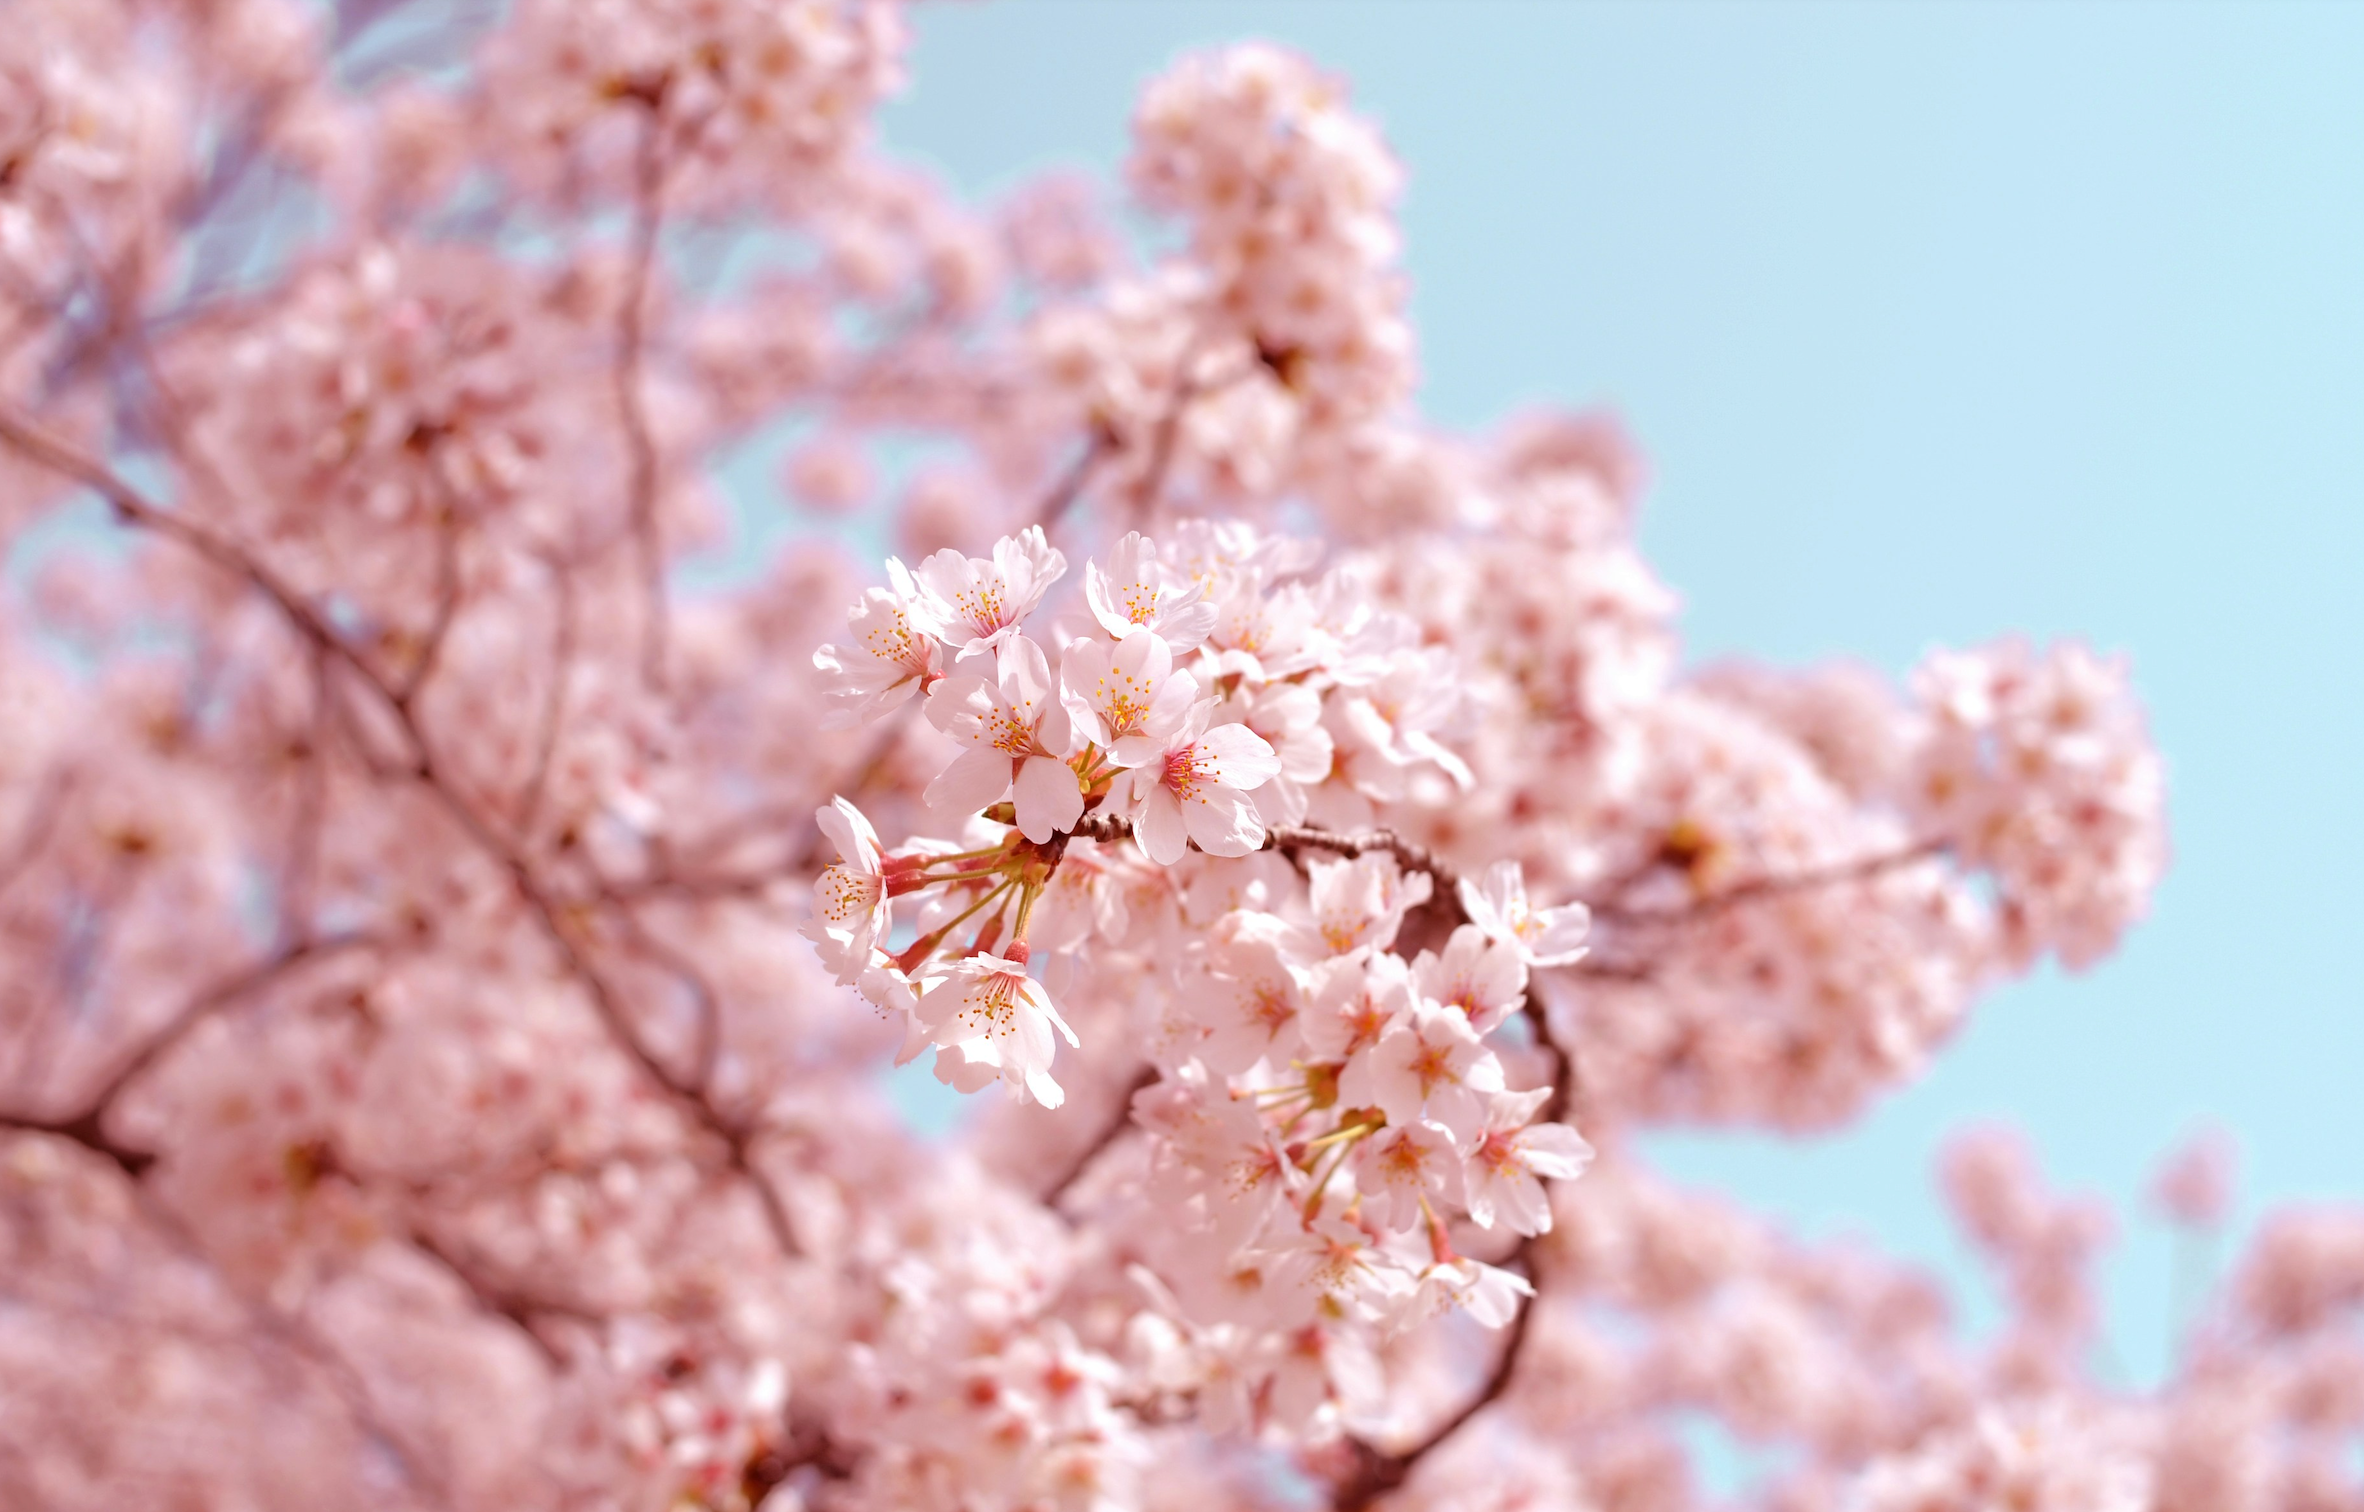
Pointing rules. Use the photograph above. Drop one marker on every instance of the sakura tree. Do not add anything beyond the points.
(451, 967)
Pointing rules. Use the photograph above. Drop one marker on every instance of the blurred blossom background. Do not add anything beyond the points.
(1935, 323)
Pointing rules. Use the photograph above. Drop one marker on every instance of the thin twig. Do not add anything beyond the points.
(1756, 889)
(210, 1001)
(562, 658)
(1070, 484)
(302, 864)
(529, 1313)
(1120, 1119)
(706, 1053)
(640, 445)
(607, 1005)
(447, 609)
(1446, 896)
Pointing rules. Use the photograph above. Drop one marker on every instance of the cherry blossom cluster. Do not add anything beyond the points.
(464, 887)
(748, 97)
(1272, 354)
(1197, 699)
(2037, 768)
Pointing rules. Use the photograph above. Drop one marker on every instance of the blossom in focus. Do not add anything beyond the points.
(1429, 1064)
(974, 604)
(1195, 791)
(890, 659)
(993, 1022)
(1137, 593)
(1511, 1157)
(1007, 711)
(1126, 695)
(851, 914)
(1484, 977)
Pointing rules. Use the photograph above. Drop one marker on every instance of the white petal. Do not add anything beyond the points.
(1223, 821)
(1159, 828)
(1049, 800)
(975, 781)
(1241, 758)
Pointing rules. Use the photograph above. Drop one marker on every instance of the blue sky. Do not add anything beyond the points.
(1936, 323)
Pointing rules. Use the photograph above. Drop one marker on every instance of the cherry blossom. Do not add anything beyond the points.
(1195, 791)
(1019, 736)
(1429, 1064)
(414, 1093)
(1127, 695)
(1402, 1166)
(851, 915)
(1497, 904)
(974, 604)
(1510, 1158)
(1137, 593)
(992, 1021)
(890, 660)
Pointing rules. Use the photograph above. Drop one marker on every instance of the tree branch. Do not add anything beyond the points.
(562, 658)
(1105, 827)
(1757, 889)
(1376, 1472)
(1119, 1121)
(1070, 486)
(205, 1004)
(607, 1006)
(640, 445)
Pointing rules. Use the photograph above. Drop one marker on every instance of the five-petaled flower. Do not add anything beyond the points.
(1137, 593)
(1196, 790)
(851, 913)
(1019, 737)
(990, 1021)
(1507, 1163)
(893, 654)
(1497, 903)
(974, 604)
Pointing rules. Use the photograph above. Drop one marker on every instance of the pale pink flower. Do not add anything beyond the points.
(1507, 1164)
(1429, 1064)
(851, 913)
(1480, 975)
(974, 604)
(1289, 717)
(886, 987)
(1387, 725)
(1249, 1003)
(1357, 905)
(891, 658)
(1496, 902)
(1404, 1165)
(1136, 593)
(1236, 1166)
(1334, 1263)
(1126, 696)
(993, 1022)
(1355, 1001)
(1195, 792)
(1019, 738)
(1488, 1293)
(1263, 635)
